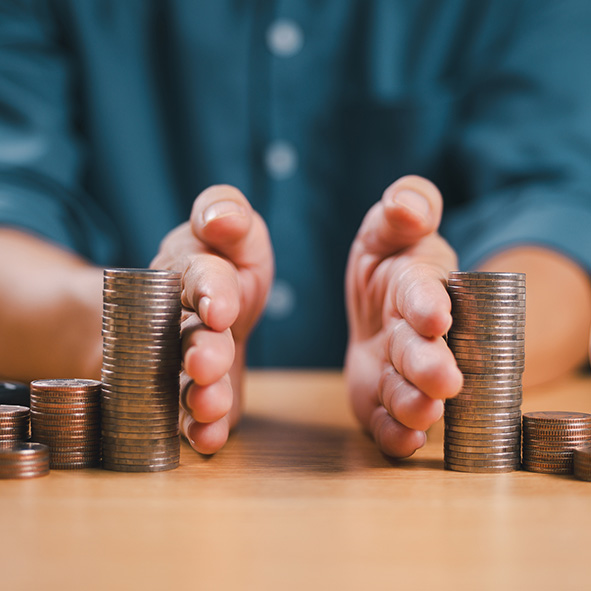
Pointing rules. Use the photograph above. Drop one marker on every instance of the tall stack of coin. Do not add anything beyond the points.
(483, 423)
(14, 423)
(66, 416)
(582, 463)
(141, 366)
(550, 438)
(24, 460)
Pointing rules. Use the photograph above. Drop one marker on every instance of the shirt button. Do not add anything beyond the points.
(281, 160)
(281, 302)
(285, 38)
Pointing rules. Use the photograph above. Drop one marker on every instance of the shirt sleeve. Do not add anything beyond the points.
(41, 154)
(523, 144)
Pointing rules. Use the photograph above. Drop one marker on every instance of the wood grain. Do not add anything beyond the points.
(301, 499)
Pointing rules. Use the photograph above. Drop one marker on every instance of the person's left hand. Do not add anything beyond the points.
(398, 366)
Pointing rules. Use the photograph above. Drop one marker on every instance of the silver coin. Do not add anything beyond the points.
(141, 292)
(482, 469)
(138, 385)
(470, 439)
(144, 303)
(134, 333)
(480, 463)
(483, 338)
(495, 276)
(469, 413)
(482, 449)
(143, 322)
(131, 392)
(117, 467)
(120, 314)
(120, 364)
(492, 295)
(484, 430)
(142, 280)
(494, 457)
(125, 331)
(131, 436)
(118, 342)
(487, 307)
(476, 356)
(480, 331)
(162, 411)
(117, 369)
(473, 349)
(486, 392)
(484, 405)
(146, 442)
(140, 413)
(139, 304)
(500, 321)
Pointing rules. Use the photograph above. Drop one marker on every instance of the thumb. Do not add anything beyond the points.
(409, 209)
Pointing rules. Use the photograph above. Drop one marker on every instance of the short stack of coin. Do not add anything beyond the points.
(66, 416)
(483, 423)
(14, 424)
(141, 366)
(582, 463)
(550, 438)
(24, 460)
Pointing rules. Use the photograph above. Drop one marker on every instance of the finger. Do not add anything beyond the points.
(393, 438)
(206, 438)
(426, 363)
(224, 220)
(406, 403)
(210, 287)
(420, 297)
(207, 404)
(409, 209)
(207, 355)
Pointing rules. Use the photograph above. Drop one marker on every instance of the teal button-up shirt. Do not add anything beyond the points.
(115, 114)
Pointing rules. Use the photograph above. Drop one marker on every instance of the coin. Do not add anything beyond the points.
(557, 417)
(550, 438)
(141, 366)
(24, 460)
(582, 463)
(509, 467)
(65, 415)
(482, 430)
(140, 467)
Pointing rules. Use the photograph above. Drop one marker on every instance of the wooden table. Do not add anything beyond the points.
(301, 499)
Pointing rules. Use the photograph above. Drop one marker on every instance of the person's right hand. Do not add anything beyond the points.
(225, 257)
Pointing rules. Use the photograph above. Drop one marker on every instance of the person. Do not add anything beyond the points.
(113, 114)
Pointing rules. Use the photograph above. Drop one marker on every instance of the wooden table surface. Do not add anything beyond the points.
(301, 499)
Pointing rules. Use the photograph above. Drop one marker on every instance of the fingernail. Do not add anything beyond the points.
(222, 209)
(440, 412)
(204, 303)
(415, 202)
(424, 440)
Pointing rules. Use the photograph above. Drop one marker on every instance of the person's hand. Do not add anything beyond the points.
(398, 366)
(224, 255)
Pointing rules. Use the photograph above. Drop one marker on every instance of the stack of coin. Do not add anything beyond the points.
(66, 416)
(24, 460)
(483, 423)
(14, 423)
(141, 366)
(550, 438)
(582, 463)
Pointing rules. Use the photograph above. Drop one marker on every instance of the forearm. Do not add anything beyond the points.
(50, 311)
(558, 310)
